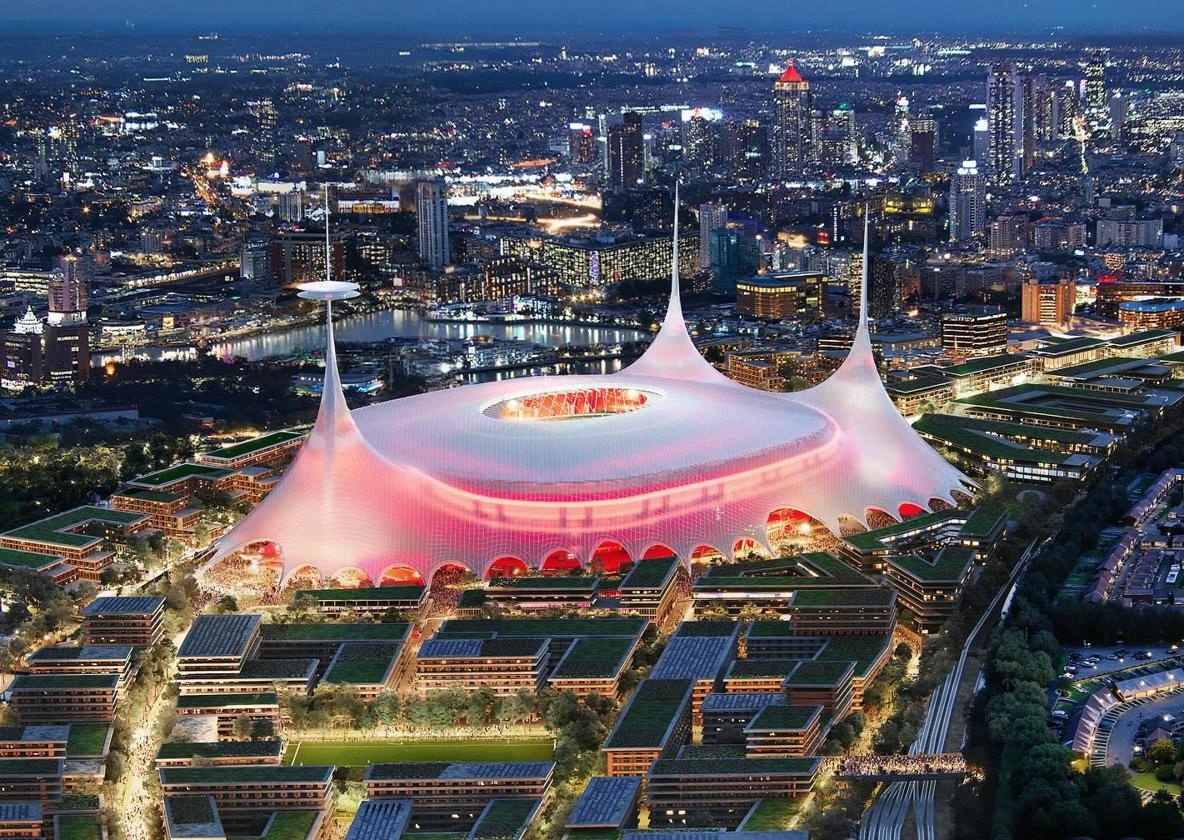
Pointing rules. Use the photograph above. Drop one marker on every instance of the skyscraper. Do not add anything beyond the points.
(1002, 160)
(1001, 114)
(922, 142)
(1096, 101)
(968, 216)
(1027, 115)
(791, 105)
(431, 203)
(67, 334)
(712, 216)
(1065, 101)
(626, 152)
(581, 144)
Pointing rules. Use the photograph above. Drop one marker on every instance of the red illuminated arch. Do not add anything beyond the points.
(611, 556)
(351, 577)
(561, 561)
(745, 546)
(784, 523)
(658, 551)
(506, 567)
(706, 554)
(909, 510)
(400, 576)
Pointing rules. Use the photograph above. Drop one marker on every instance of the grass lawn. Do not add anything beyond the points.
(79, 827)
(362, 753)
(771, 815)
(86, 739)
(1147, 781)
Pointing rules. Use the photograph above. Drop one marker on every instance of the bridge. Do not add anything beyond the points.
(917, 767)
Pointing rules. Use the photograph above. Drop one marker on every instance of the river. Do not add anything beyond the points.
(392, 323)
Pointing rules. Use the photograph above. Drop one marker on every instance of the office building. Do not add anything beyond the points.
(733, 255)
(1008, 236)
(974, 333)
(626, 152)
(1048, 303)
(791, 108)
(581, 144)
(968, 211)
(431, 210)
(775, 297)
(922, 142)
(712, 216)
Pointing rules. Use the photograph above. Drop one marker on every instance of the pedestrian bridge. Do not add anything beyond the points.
(900, 768)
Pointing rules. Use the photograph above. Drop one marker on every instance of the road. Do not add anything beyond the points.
(885, 818)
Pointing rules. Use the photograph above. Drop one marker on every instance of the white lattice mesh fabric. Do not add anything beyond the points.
(451, 477)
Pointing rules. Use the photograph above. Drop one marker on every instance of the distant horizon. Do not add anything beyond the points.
(460, 20)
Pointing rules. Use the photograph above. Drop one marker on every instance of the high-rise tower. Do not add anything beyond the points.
(791, 104)
(968, 215)
(1002, 160)
(431, 207)
(626, 152)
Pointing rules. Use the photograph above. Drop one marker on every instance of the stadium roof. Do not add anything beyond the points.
(525, 467)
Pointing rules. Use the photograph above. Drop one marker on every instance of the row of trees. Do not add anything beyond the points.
(1038, 792)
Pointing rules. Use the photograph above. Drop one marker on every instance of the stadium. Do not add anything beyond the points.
(667, 456)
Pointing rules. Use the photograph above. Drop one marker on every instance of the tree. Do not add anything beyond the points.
(1162, 752)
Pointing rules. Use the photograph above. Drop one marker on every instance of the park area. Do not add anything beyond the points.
(362, 753)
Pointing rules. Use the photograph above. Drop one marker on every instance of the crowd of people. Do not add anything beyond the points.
(901, 765)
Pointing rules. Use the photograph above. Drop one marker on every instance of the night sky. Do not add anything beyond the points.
(526, 17)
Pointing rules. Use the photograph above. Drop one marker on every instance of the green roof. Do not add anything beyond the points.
(593, 657)
(983, 520)
(362, 663)
(872, 596)
(974, 366)
(213, 701)
(863, 650)
(54, 529)
(872, 540)
(29, 766)
(1097, 365)
(503, 819)
(179, 472)
(247, 774)
(649, 574)
(734, 767)
(86, 739)
(824, 672)
(27, 559)
(326, 632)
(220, 749)
(561, 628)
(246, 447)
(742, 669)
(785, 717)
(655, 706)
(290, 825)
(964, 435)
(78, 827)
(948, 566)
(713, 628)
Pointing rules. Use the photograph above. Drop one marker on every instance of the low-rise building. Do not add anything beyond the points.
(654, 724)
(723, 789)
(116, 620)
(64, 698)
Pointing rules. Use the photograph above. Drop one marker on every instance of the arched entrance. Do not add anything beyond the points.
(350, 578)
(658, 551)
(610, 556)
(400, 576)
(504, 567)
(908, 510)
(560, 562)
(747, 548)
(877, 518)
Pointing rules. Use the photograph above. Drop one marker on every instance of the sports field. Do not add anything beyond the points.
(361, 753)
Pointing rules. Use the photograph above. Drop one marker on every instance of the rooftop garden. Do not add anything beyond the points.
(785, 717)
(644, 722)
(594, 657)
(325, 632)
(503, 819)
(49, 682)
(190, 810)
(181, 471)
(79, 827)
(649, 574)
(362, 663)
(248, 447)
(86, 739)
(57, 530)
(246, 774)
(26, 559)
(219, 749)
(566, 628)
(818, 672)
(872, 596)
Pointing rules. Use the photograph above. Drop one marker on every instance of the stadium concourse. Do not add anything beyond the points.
(667, 456)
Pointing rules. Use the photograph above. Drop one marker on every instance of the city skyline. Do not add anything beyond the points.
(562, 19)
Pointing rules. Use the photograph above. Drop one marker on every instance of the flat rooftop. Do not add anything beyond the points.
(123, 605)
(221, 636)
(249, 447)
(380, 819)
(59, 530)
(606, 802)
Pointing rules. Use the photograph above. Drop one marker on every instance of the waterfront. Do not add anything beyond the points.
(383, 324)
